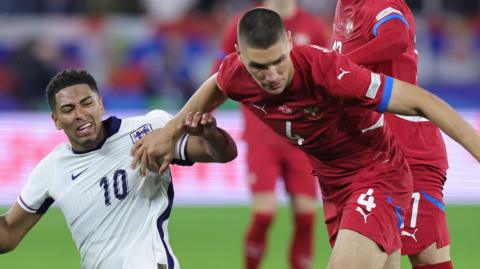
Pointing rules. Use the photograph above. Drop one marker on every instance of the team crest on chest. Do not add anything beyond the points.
(140, 132)
(312, 112)
(285, 109)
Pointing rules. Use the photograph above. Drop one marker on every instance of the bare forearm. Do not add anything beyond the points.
(221, 146)
(5, 245)
(205, 99)
(451, 123)
(411, 100)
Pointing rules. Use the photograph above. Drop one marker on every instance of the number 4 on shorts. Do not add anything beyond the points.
(367, 200)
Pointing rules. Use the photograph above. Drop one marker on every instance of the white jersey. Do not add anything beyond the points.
(117, 218)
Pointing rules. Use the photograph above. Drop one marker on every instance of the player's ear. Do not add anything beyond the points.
(100, 103)
(55, 120)
(237, 49)
(290, 39)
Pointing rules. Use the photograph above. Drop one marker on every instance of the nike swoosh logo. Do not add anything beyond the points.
(77, 175)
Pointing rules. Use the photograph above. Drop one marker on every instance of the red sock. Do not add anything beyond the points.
(443, 265)
(302, 244)
(256, 239)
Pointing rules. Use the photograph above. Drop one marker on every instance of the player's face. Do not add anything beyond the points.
(78, 112)
(271, 68)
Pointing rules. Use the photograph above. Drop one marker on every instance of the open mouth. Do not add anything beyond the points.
(84, 128)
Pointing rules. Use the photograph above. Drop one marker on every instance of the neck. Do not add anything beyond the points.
(89, 146)
(286, 9)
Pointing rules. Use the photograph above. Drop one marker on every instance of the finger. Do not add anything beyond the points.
(153, 163)
(196, 119)
(143, 167)
(189, 118)
(205, 118)
(136, 157)
(164, 166)
(136, 146)
(212, 121)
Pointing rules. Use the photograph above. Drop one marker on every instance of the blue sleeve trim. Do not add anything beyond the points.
(387, 18)
(387, 93)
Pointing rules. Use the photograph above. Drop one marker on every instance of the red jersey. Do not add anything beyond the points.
(328, 111)
(380, 34)
(305, 29)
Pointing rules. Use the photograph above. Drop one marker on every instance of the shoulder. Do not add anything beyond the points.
(229, 70)
(308, 54)
(47, 165)
(156, 118)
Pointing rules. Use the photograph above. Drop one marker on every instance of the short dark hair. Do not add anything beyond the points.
(260, 28)
(66, 78)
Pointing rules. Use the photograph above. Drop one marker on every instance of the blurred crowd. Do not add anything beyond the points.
(151, 53)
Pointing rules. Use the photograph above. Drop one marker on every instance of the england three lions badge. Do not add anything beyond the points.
(140, 132)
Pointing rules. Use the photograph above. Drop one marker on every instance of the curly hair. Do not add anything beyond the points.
(66, 78)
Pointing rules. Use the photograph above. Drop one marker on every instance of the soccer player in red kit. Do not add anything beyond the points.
(335, 117)
(284, 159)
(380, 35)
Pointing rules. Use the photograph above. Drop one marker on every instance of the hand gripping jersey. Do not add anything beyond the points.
(117, 218)
(328, 111)
(380, 23)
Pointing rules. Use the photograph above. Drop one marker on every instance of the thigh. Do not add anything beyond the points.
(353, 250)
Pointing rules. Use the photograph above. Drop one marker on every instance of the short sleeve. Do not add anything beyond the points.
(35, 196)
(386, 14)
(350, 83)
(159, 118)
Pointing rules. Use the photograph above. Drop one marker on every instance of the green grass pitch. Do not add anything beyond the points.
(211, 237)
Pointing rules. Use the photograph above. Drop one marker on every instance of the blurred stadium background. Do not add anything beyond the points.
(149, 54)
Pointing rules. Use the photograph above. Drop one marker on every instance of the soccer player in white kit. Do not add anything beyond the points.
(117, 217)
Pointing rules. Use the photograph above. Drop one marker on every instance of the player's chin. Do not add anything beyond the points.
(275, 91)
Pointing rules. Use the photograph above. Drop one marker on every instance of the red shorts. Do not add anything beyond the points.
(425, 221)
(268, 160)
(371, 212)
(372, 202)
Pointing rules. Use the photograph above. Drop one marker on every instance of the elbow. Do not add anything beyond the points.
(230, 155)
(233, 154)
(7, 247)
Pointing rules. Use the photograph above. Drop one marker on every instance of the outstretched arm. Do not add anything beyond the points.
(14, 225)
(207, 142)
(410, 100)
(156, 149)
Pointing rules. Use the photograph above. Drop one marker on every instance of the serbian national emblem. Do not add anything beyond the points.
(312, 112)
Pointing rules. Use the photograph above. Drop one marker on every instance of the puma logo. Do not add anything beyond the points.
(344, 72)
(360, 210)
(412, 235)
(261, 108)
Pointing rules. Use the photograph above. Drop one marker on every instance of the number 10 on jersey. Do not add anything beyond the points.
(120, 187)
